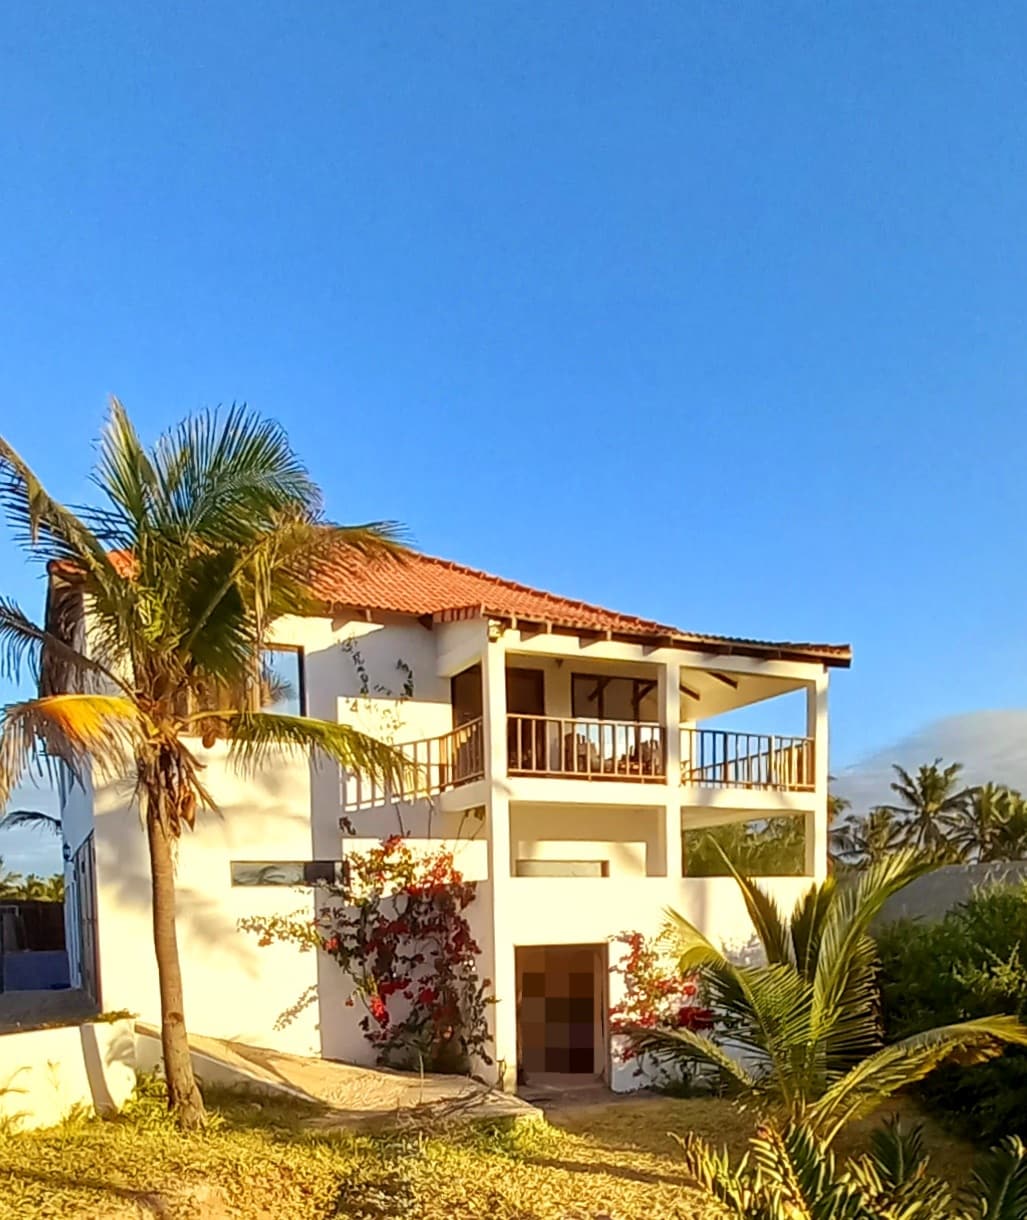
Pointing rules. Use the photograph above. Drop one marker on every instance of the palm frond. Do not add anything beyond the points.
(897, 1152)
(23, 643)
(763, 911)
(222, 475)
(31, 819)
(691, 948)
(257, 738)
(712, 1172)
(685, 1046)
(999, 1190)
(845, 951)
(74, 729)
(807, 923)
(42, 525)
(862, 1089)
(125, 474)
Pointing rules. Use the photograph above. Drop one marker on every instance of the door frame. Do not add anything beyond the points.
(601, 1044)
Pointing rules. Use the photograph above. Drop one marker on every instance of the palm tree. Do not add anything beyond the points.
(992, 824)
(860, 841)
(53, 889)
(10, 883)
(30, 819)
(930, 800)
(200, 543)
(34, 889)
(802, 1029)
(792, 1174)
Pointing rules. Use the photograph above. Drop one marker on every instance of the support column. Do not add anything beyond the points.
(670, 715)
(503, 1014)
(816, 822)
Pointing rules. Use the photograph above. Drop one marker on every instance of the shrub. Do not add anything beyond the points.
(972, 963)
(398, 930)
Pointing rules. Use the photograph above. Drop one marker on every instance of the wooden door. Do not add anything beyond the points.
(526, 696)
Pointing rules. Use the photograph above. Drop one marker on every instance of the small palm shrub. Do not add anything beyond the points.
(800, 1034)
(792, 1174)
(970, 964)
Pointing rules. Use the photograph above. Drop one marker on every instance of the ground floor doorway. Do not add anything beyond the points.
(561, 1016)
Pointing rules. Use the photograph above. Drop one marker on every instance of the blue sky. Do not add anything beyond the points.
(710, 312)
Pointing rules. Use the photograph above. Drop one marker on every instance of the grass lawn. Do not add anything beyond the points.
(263, 1162)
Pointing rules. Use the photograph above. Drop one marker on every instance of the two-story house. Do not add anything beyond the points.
(572, 754)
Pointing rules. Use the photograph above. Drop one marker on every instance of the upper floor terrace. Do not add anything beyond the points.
(579, 719)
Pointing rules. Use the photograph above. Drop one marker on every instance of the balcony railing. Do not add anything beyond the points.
(712, 758)
(585, 749)
(436, 765)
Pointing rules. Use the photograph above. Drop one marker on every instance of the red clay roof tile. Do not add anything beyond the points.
(424, 586)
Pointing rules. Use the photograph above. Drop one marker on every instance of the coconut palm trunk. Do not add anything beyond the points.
(183, 1095)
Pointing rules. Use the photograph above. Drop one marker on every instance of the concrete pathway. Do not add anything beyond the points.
(352, 1096)
(21, 1010)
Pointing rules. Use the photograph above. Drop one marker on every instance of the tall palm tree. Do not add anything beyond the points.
(992, 824)
(53, 889)
(10, 883)
(34, 888)
(201, 541)
(800, 1034)
(929, 801)
(860, 841)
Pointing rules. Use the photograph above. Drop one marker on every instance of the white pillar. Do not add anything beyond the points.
(503, 1013)
(816, 822)
(670, 715)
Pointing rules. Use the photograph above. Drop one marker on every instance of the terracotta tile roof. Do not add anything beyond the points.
(424, 586)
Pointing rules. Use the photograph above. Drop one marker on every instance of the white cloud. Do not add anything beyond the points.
(990, 745)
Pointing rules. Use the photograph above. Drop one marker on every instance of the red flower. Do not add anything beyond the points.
(378, 1010)
(426, 996)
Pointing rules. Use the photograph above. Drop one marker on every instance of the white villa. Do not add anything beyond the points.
(571, 753)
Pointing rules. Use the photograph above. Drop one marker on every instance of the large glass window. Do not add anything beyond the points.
(598, 697)
(282, 681)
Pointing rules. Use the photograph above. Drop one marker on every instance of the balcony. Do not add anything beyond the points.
(711, 758)
(555, 747)
(552, 746)
(437, 764)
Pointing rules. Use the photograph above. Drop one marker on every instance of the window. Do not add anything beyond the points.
(283, 674)
(563, 868)
(465, 695)
(597, 697)
(288, 872)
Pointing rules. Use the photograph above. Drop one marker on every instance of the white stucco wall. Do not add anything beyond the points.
(287, 811)
(47, 1074)
(290, 811)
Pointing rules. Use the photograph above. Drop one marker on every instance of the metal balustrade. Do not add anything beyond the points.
(713, 758)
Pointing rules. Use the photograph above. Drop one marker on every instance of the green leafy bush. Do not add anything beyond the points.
(972, 963)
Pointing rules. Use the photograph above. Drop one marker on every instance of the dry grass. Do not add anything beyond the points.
(263, 1162)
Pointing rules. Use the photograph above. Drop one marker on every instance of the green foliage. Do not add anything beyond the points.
(768, 847)
(970, 964)
(199, 544)
(15, 887)
(793, 1174)
(936, 815)
(798, 1034)
(398, 930)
